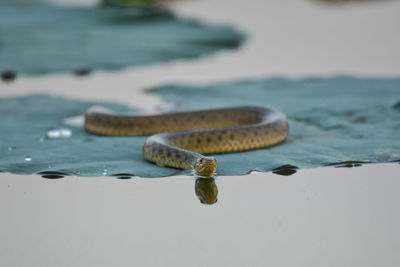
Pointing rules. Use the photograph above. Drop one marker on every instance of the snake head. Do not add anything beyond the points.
(205, 167)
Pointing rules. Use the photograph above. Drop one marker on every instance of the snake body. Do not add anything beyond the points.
(180, 139)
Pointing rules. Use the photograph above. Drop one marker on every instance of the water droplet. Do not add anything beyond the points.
(59, 133)
(10, 148)
(28, 158)
(41, 140)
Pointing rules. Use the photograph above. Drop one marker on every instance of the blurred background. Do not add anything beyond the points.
(312, 217)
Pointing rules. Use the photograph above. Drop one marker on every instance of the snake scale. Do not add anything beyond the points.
(180, 139)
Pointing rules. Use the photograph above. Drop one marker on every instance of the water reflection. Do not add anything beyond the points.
(206, 190)
(347, 164)
(82, 71)
(8, 75)
(123, 175)
(285, 170)
(52, 174)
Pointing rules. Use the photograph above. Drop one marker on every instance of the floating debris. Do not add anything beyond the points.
(28, 158)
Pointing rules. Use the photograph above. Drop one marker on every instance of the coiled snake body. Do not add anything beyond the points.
(180, 139)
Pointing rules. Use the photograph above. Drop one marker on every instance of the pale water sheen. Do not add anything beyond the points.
(316, 217)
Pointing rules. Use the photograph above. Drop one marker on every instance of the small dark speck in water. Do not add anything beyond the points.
(359, 119)
(123, 175)
(347, 164)
(88, 140)
(8, 75)
(285, 170)
(82, 71)
(397, 105)
(52, 174)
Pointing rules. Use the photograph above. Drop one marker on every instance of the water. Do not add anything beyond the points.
(281, 215)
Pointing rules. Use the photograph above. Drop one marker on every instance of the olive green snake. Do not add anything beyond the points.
(180, 139)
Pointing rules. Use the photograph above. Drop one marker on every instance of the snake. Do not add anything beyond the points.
(185, 139)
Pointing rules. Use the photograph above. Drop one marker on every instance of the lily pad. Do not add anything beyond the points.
(331, 121)
(42, 38)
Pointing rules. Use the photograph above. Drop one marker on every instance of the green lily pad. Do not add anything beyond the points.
(39, 38)
(331, 121)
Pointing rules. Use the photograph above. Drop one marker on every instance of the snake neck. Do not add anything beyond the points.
(159, 149)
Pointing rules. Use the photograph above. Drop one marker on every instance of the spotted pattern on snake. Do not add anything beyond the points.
(182, 139)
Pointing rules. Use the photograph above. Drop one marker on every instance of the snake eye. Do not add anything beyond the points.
(201, 161)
